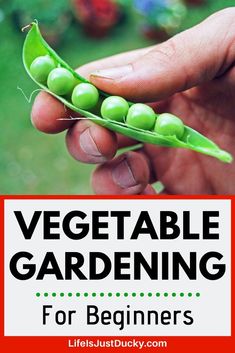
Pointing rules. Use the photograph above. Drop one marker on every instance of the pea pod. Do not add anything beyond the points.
(35, 46)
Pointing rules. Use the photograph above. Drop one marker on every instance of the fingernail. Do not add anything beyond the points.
(123, 176)
(88, 144)
(113, 73)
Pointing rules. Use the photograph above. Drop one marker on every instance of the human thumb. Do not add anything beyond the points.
(186, 60)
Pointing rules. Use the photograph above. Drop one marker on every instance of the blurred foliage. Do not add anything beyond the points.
(163, 14)
(35, 163)
(47, 11)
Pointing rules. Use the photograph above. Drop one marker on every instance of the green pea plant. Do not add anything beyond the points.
(137, 121)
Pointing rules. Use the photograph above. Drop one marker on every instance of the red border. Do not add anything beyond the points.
(59, 344)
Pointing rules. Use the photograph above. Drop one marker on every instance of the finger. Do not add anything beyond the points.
(125, 175)
(124, 141)
(91, 143)
(184, 61)
(149, 190)
(46, 113)
(111, 61)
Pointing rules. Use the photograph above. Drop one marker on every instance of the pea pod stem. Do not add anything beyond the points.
(35, 46)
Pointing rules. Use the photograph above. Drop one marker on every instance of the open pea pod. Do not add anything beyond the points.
(35, 46)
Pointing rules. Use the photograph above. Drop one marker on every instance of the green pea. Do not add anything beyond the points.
(169, 125)
(141, 116)
(114, 108)
(41, 67)
(60, 81)
(85, 96)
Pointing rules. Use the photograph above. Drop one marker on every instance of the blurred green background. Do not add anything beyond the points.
(36, 163)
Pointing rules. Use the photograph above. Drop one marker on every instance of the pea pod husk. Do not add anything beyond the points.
(35, 46)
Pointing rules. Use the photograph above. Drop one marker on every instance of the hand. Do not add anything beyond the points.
(192, 75)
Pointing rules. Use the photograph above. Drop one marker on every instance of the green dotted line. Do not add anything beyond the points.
(118, 294)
